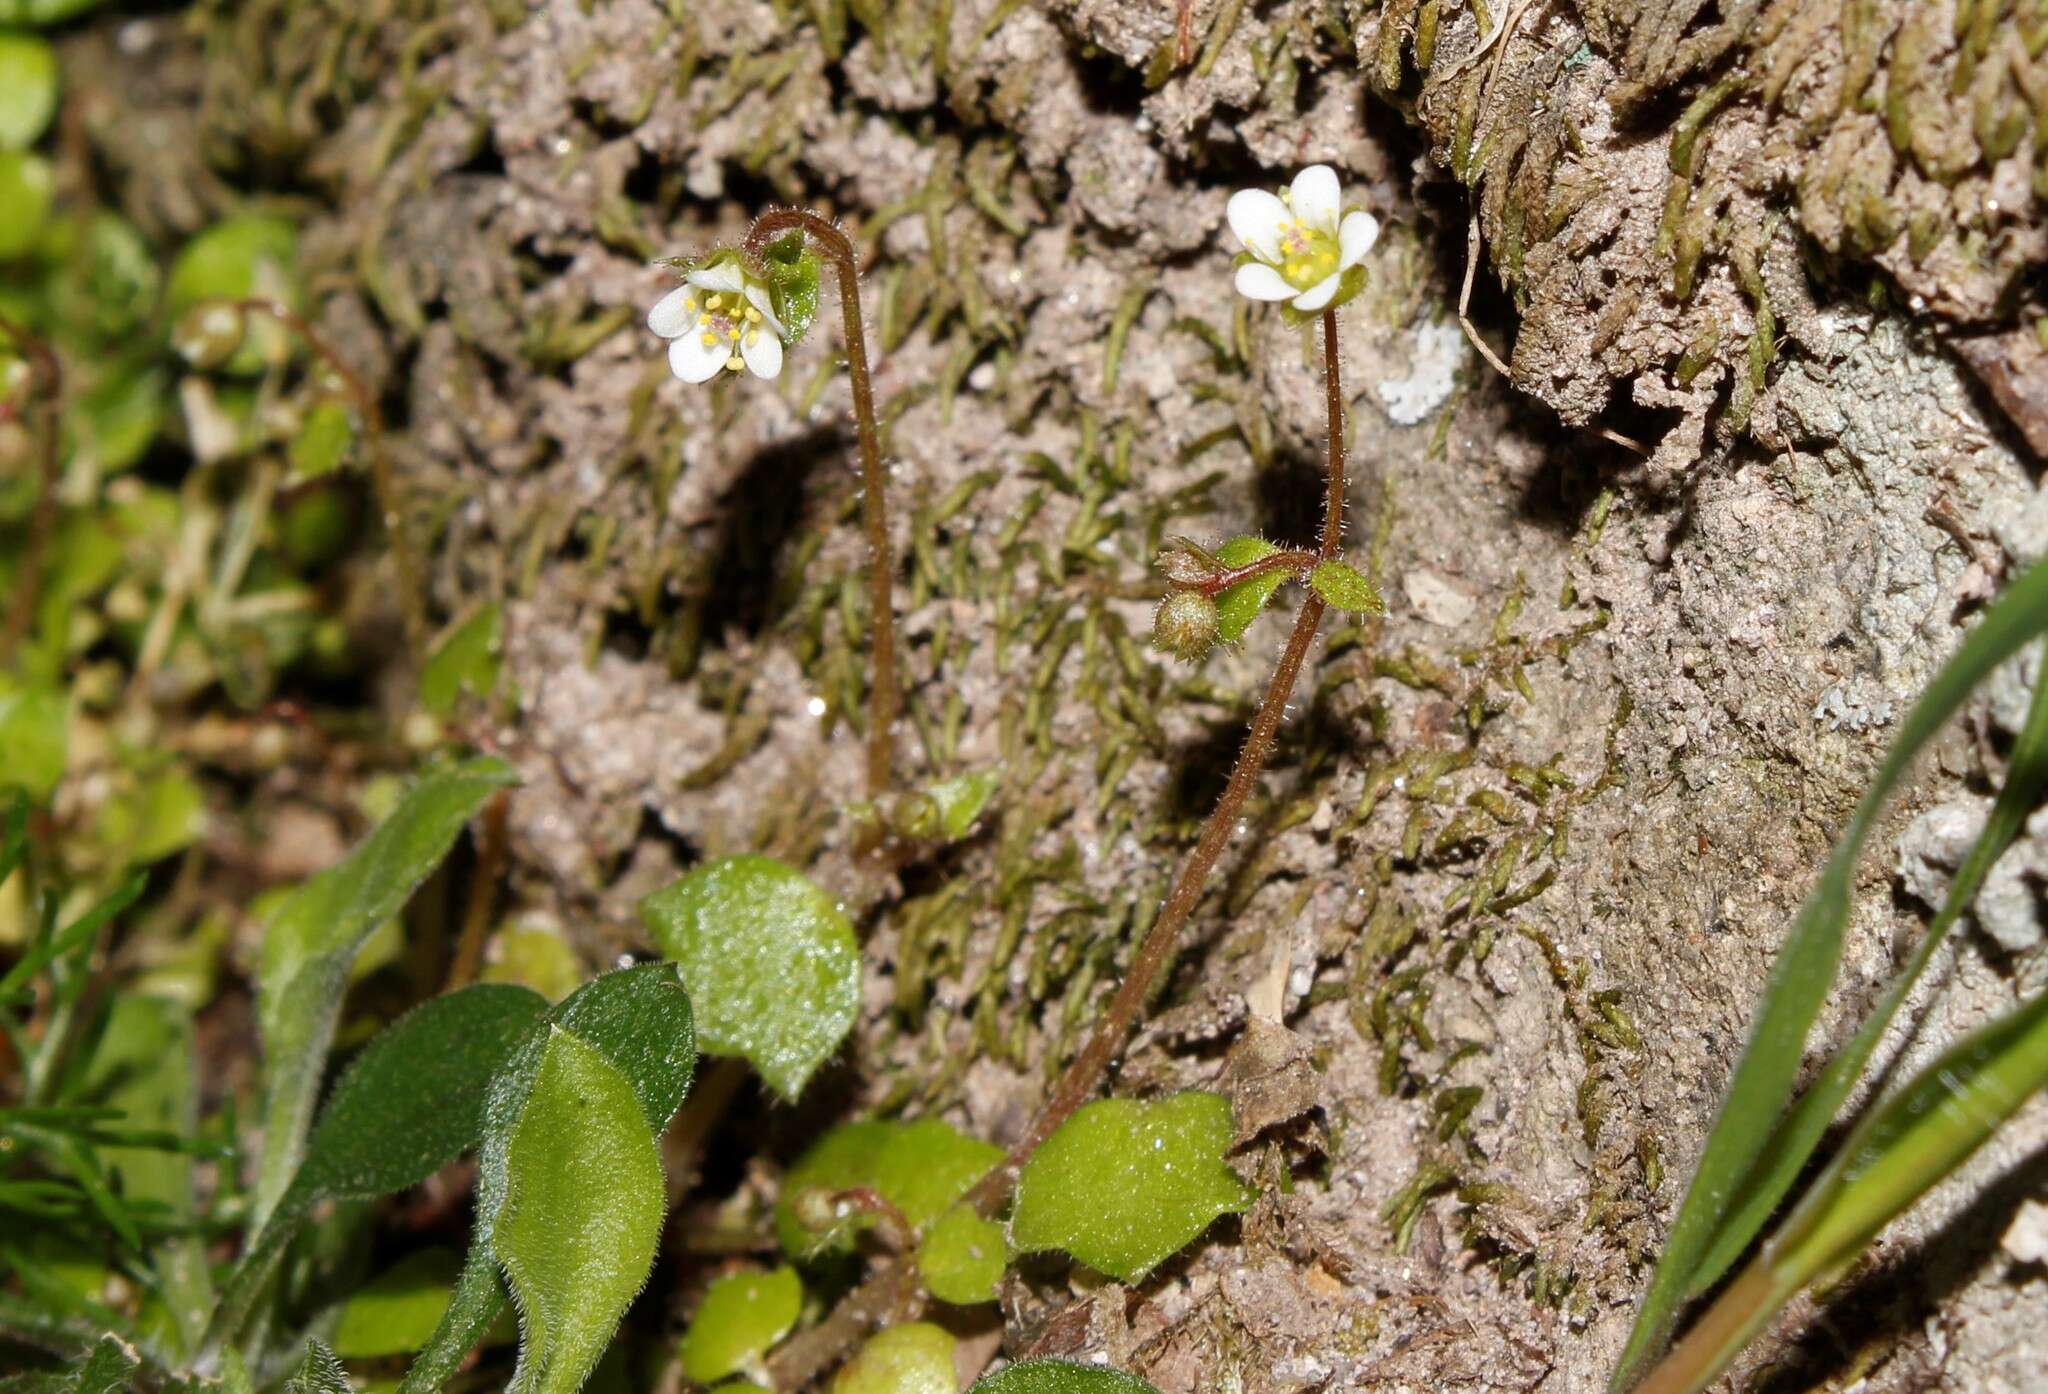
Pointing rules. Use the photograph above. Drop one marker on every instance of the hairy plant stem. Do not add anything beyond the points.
(1294, 559)
(1084, 1076)
(46, 384)
(383, 480)
(883, 698)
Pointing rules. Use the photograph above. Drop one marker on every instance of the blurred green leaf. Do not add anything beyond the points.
(1124, 1185)
(248, 255)
(26, 186)
(467, 660)
(770, 962)
(962, 1258)
(582, 1214)
(28, 89)
(314, 934)
(1800, 979)
(396, 1311)
(40, 12)
(741, 1318)
(534, 955)
(960, 801)
(321, 444)
(1238, 606)
(152, 816)
(792, 283)
(921, 1168)
(33, 741)
(913, 1358)
(1060, 1377)
(1346, 588)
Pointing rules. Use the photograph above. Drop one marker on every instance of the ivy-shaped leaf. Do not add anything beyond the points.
(1060, 1377)
(1124, 1185)
(411, 1102)
(962, 1257)
(639, 1018)
(769, 960)
(1238, 606)
(316, 931)
(920, 1168)
(913, 1358)
(582, 1213)
(1346, 588)
(741, 1318)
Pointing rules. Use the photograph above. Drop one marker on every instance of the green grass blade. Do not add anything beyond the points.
(1799, 982)
(49, 950)
(1789, 1149)
(13, 833)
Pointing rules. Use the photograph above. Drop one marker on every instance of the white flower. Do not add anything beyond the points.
(720, 317)
(1298, 248)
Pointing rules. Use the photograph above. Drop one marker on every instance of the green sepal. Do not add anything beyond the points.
(1347, 290)
(791, 268)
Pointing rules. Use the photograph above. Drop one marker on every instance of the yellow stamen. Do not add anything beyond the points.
(733, 365)
(713, 302)
(753, 315)
(709, 340)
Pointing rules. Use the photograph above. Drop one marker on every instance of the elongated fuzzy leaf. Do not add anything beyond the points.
(1237, 607)
(582, 1215)
(770, 961)
(314, 935)
(1902, 1147)
(1060, 1377)
(1804, 972)
(1788, 1151)
(411, 1102)
(640, 1019)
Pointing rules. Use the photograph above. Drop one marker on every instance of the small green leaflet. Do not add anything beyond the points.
(1346, 588)
(962, 1257)
(1238, 606)
(741, 1317)
(913, 1358)
(1060, 1377)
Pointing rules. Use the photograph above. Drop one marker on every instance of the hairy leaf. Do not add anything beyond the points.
(1060, 1377)
(1346, 588)
(769, 960)
(921, 1168)
(913, 1358)
(315, 933)
(742, 1316)
(1124, 1185)
(582, 1214)
(318, 1373)
(1238, 606)
(962, 1257)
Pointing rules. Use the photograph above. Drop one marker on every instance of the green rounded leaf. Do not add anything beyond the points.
(1238, 606)
(769, 960)
(1346, 588)
(741, 1318)
(252, 254)
(396, 1311)
(1060, 1377)
(34, 744)
(28, 89)
(582, 1214)
(914, 1358)
(920, 1168)
(1124, 1185)
(26, 186)
(962, 1258)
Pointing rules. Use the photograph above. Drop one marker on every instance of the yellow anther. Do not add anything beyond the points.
(733, 333)
(752, 335)
(709, 340)
(733, 365)
(753, 315)
(714, 302)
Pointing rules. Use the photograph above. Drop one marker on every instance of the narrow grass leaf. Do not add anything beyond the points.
(314, 935)
(1789, 1149)
(582, 1215)
(1800, 979)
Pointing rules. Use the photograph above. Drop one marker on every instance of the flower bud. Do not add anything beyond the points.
(1185, 564)
(1186, 625)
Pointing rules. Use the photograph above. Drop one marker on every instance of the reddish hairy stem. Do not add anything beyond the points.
(1294, 559)
(46, 381)
(1084, 1076)
(882, 692)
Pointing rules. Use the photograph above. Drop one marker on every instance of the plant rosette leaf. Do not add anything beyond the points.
(1124, 1185)
(1239, 605)
(34, 740)
(962, 1257)
(28, 89)
(914, 1358)
(250, 255)
(741, 1318)
(921, 1168)
(1346, 588)
(396, 1311)
(584, 1197)
(769, 961)
(1060, 1377)
(27, 187)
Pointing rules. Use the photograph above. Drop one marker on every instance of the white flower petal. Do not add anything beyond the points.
(1315, 196)
(1259, 281)
(1319, 294)
(763, 354)
(1258, 218)
(668, 318)
(757, 296)
(690, 360)
(1355, 237)
(724, 275)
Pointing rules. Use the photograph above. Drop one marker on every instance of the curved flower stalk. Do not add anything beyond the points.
(740, 308)
(1307, 251)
